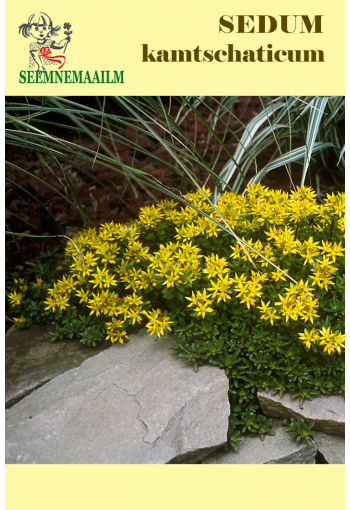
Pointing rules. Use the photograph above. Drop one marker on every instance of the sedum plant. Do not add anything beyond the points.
(254, 285)
(299, 429)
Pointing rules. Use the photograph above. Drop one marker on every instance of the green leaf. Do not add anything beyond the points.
(318, 105)
(294, 155)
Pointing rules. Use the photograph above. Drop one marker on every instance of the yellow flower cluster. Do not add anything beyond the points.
(298, 302)
(16, 297)
(332, 341)
(114, 261)
(20, 320)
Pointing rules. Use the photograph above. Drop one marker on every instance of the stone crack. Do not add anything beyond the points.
(138, 403)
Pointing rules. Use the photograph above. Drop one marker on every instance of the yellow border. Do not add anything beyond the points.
(108, 35)
(170, 487)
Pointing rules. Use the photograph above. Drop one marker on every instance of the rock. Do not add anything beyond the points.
(332, 448)
(327, 411)
(278, 449)
(131, 404)
(31, 360)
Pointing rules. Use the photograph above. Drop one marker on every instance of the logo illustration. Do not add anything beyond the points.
(41, 28)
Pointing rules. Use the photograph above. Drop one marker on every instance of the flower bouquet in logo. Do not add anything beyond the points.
(67, 30)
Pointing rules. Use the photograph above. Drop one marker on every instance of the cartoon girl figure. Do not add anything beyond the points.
(40, 27)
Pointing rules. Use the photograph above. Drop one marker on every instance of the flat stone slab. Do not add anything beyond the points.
(131, 404)
(331, 447)
(31, 360)
(327, 411)
(278, 449)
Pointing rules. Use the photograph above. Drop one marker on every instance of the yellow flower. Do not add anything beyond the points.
(150, 216)
(309, 250)
(323, 271)
(240, 279)
(66, 285)
(146, 278)
(285, 240)
(132, 308)
(102, 279)
(335, 203)
(119, 335)
(248, 291)
(236, 251)
(221, 287)
(268, 253)
(215, 266)
(248, 299)
(256, 278)
(188, 254)
(268, 313)
(19, 280)
(309, 337)
(114, 331)
(136, 251)
(63, 301)
(84, 295)
(133, 300)
(57, 301)
(131, 277)
(201, 302)
(278, 275)
(157, 323)
(171, 279)
(290, 307)
(84, 266)
(186, 232)
(20, 320)
(96, 303)
(112, 304)
(332, 249)
(15, 298)
(51, 302)
(331, 341)
(135, 314)
(339, 340)
(207, 227)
